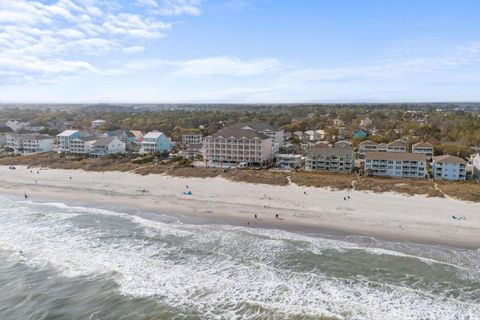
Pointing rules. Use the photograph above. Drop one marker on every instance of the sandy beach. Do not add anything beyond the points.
(386, 216)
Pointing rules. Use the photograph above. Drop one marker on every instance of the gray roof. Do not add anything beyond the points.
(397, 143)
(255, 125)
(116, 133)
(423, 145)
(368, 142)
(326, 152)
(239, 134)
(103, 141)
(448, 159)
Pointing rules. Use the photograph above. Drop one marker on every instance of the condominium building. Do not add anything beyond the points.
(448, 167)
(366, 146)
(395, 164)
(23, 143)
(337, 159)
(265, 128)
(237, 145)
(397, 146)
(288, 161)
(425, 148)
(192, 138)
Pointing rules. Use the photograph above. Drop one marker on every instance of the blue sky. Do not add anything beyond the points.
(162, 51)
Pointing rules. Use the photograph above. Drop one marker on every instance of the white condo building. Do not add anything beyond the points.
(395, 164)
(425, 148)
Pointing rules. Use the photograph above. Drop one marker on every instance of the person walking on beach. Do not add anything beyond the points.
(255, 216)
(26, 196)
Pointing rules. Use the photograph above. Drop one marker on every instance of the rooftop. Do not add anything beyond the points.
(448, 159)
(423, 145)
(397, 143)
(254, 125)
(67, 133)
(238, 133)
(103, 141)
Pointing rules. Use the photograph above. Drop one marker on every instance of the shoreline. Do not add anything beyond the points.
(307, 210)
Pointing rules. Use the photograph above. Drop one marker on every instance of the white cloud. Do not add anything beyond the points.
(54, 31)
(229, 66)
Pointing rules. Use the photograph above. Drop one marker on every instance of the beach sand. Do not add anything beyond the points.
(386, 216)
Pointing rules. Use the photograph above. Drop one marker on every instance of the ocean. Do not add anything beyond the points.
(62, 261)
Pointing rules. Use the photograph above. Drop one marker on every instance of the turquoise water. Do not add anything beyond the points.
(66, 262)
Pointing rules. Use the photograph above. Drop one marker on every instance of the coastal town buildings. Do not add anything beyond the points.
(137, 136)
(288, 161)
(17, 124)
(366, 146)
(192, 151)
(338, 159)
(397, 146)
(26, 142)
(238, 145)
(448, 167)
(192, 138)
(107, 146)
(155, 141)
(425, 148)
(81, 145)
(395, 164)
(265, 128)
(97, 123)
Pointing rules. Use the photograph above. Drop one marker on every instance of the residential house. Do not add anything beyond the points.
(137, 136)
(81, 145)
(192, 138)
(425, 148)
(277, 135)
(64, 138)
(448, 167)
(33, 127)
(97, 123)
(395, 164)
(366, 146)
(288, 161)
(339, 159)
(192, 151)
(107, 146)
(238, 145)
(17, 124)
(476, 166)
(123, 135)
(319, 135)
(359, 134)
(397, 146)
(155, 141)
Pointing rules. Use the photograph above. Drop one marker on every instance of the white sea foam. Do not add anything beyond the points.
(214, 270)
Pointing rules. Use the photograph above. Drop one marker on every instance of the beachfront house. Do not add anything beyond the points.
(338, 159)
(395, 164)
(136, 136)
(64, 138)
(107, 146)
(265, 128)
(194, 138)
(288, 161)
(448, 167)
(238, 145)
(192, 151)
(476, 166)
(155, 141)
(81, 145)
(425, 148)
(397, 146)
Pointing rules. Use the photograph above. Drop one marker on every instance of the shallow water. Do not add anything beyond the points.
(66, 262)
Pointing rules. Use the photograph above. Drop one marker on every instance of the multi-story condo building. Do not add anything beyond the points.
(366, 146)
(288, 161)
(448, 167)
(192, 138)
(476, 166)
(395, 164)
(425, 148)
(106, 146)
(22, 143)
(382, 147)
(397, 146)
(237, 145)
(64, 138)
(339, 159)
(155, 141)
(265, 128)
